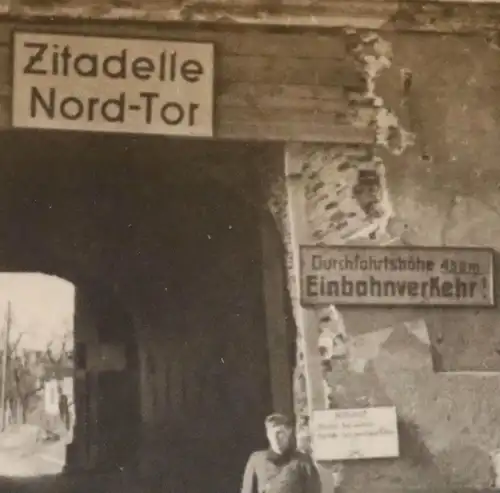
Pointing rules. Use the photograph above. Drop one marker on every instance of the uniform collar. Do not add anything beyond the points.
(280, 459)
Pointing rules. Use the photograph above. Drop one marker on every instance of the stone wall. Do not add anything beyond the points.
(263, 90)
(422, 15)
(432, 179)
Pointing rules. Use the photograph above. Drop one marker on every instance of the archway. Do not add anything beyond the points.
(169, 266)
(37, 374)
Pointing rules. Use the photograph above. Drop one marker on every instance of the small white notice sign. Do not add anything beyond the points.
(346, 434)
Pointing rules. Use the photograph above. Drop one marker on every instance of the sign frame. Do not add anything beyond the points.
(390, 422)
(65, 31)
(356, 302)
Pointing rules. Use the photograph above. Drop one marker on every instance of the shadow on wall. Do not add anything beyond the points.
(446, 432)
(419, 469)
(413, 447)
(415, 469)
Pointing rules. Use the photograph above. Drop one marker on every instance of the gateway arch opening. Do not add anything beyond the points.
(37, 409)
(181, 379)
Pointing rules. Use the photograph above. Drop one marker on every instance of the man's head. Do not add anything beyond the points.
(279, 432)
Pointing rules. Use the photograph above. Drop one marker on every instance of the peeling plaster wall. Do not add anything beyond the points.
(422, 16)
(431, 179)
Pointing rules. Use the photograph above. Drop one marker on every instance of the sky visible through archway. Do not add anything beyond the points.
(42, 308)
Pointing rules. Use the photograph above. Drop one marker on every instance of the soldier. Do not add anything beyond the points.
(281, 468)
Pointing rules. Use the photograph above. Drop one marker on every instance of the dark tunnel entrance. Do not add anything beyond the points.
(171, 349)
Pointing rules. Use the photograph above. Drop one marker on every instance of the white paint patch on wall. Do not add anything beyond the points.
(376, 55)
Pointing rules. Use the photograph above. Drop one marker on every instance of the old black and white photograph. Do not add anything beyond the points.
(249, 246)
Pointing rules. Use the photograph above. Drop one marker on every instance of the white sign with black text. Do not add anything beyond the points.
(346, 434)
(369, 275)
(106, 84)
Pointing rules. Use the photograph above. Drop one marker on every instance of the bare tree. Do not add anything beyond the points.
(22, 380)
(26, 371)
(60, 358)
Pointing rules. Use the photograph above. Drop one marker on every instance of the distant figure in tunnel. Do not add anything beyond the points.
(64, 409)
(281, 468)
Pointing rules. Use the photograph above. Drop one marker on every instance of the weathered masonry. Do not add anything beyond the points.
(268, 86)
(377, 125)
